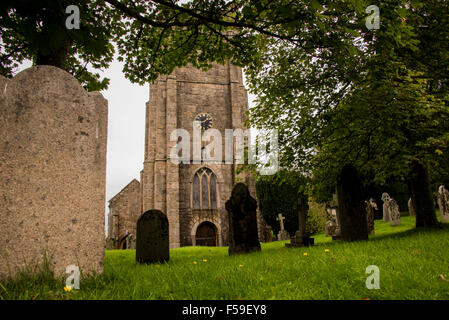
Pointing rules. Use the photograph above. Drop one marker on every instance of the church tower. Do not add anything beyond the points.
(192, 195)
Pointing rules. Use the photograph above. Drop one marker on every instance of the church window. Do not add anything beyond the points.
(204, 189)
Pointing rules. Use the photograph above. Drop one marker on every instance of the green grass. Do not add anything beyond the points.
(410, 262)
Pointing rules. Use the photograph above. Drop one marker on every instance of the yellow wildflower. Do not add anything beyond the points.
(194, 262)
(326, 250)
(204, 260)
(240, 265)
(305, 254)
(67, 288)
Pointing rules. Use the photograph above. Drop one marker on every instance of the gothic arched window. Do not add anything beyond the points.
(204, 189)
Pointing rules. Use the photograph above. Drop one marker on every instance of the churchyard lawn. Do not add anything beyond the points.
(413, 264)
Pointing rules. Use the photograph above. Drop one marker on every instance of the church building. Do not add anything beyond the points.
(192, 195)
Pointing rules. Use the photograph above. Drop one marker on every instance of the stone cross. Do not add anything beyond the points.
(281, 219)
(386, 216)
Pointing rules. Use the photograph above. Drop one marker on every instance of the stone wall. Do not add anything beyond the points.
(52, 171)
(124, 210)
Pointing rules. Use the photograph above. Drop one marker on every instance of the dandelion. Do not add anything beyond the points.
(194, 262)
(326, 250)
(68, 288)
(240, 265)
(305, 254)
(204, 260)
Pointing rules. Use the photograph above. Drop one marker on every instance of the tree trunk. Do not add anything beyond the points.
(421, 195)
(56, 58)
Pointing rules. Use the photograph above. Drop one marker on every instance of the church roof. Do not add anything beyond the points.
(124, 190)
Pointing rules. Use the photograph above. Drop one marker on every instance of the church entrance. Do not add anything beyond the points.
(206, 234)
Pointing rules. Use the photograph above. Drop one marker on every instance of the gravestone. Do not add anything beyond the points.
(370, 217)
(283, 234)
(351, 206)
(443, 197)
(152, 242)
(130, 242)
(329, 228)
(393, 210)
(386, 216)
(411, 207)
(52, 172)
(241, 208)
(301, 237)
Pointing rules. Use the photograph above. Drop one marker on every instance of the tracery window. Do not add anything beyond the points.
(204, 189)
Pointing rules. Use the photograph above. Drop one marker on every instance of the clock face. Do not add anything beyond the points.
(205, 121)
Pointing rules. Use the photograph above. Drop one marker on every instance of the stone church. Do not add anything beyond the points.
(192, 195)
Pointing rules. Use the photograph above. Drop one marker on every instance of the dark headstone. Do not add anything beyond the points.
(241, 207)
(352, 211)
(422, 196)
(152, 243)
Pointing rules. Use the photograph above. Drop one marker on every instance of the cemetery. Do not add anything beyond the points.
(344, 194)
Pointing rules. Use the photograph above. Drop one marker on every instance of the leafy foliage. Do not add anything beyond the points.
(279, 193)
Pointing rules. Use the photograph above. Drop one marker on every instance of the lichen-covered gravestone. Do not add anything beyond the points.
(241, 208)
(443, 197)
(352, 211)
(411, 207)
(393, 210)
(386, 215)
(152, 242)
(52, 172)
(369, 217)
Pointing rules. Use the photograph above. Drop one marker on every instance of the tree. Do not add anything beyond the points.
(382, 107)
(36, 30)
(279, 194)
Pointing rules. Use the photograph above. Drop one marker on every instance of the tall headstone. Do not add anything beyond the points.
(411, 207)
(241, 208)
(301, 237)
(386, 215)
(443, 196)
(421, 193)
(393, 210)
(352, 212)
(369, 217)
(283, 234)
(52, 172)
(152, 242)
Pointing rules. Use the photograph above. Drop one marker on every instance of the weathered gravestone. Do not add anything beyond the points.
(283, 234)
(130, 242)
(301, 237)
(443, 197)
(386, 216)
(393, 210)
(411, 207)
(241, 208)
(330, 227)
(369, 217)
(52, 172)
(152, 242)
(351, 206)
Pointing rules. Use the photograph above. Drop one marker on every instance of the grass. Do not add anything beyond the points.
(410, 262)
